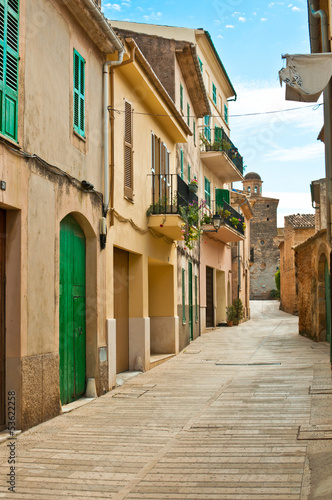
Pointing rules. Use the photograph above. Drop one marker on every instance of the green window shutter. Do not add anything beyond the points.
(221, 196)
(207, 191)
(214, 94)
(9, 59)
(200, 65)
(207, 129)
(183, 296)
(196, 301)
(189, 173)
(79, 94)
(217, 133)
(226, 113)
(194, 131)
(181, 163)
(188, 114)
(181, 97)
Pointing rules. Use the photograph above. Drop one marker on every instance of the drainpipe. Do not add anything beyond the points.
(327, 117)
(107, 29)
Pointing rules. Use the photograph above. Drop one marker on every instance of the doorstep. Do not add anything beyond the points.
(158, 359)
(5, 435)
(76, 404)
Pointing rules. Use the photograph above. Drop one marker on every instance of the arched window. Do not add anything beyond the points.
(249, 189)
(256, 189)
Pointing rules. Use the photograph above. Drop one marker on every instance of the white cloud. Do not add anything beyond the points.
(296, 9)
(220, 36)
(154, 16)
(263, 19)
(216, 21)
(114, 6)
(271, 4)
(242, 19)
(229, 26)
(296, 153)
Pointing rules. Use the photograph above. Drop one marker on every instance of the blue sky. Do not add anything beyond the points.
(251, 36)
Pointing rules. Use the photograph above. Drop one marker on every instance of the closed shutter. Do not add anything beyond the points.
(9, 57)
(226, 113)
(207, 192)
(221, 196)
(183, 296)
(128, 153)
(79, 94)
(217, 133)
(181, 163)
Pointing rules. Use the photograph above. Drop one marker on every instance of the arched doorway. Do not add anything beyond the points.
(72, 311)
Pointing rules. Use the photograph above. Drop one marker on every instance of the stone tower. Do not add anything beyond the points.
(264, 252)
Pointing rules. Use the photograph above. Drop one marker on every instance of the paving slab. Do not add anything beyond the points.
(243, 413)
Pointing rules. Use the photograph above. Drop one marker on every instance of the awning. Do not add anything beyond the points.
(306, 76)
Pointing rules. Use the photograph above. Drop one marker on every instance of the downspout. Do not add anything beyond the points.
(327, 118)
(107, 29)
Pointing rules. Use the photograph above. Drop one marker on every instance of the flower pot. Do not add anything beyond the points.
(229, 323)
(193, 188)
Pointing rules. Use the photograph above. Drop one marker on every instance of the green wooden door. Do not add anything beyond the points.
(191, 307)
(72, 311)
(328, 302)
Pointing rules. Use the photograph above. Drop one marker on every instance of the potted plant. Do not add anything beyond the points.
(193, 185)
(238, 311)
(230, 311)
(234, 221)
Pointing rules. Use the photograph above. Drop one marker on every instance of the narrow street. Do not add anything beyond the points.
(219, 421)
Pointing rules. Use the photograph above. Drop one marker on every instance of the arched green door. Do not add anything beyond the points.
(328, 302)
(72, 310)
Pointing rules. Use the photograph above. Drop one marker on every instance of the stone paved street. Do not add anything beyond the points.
(236, 415)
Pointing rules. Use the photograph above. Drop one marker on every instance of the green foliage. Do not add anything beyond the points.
(277, 280)
(274, 294)
(230, 311)
(238, 306)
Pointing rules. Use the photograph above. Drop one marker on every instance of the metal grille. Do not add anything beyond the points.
(169, 193)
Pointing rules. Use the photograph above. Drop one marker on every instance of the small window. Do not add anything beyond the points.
(226, 113)
(207, 191)
(260, 189)
(249, 189)
(256, 189)
(268, 218)
(79, 94)
(267, 206)
(181, 97)
(262, 242)
(214, 94)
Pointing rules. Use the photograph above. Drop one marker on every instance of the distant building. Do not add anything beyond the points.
(298, 228)
(264, 253)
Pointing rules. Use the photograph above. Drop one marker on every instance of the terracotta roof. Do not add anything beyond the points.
(301, 220)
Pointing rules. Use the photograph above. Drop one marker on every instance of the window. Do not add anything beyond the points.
(207, 129)
(194, 131)
(200, 64)
(181, 163)
(188, 114)
(128, 152)
(9, 58)
(79, 94)
(249, 189)
(196, 298)
(214, 94)
(207, 191)
(226, 113)
(160, 166)
(181, 97)
(189, 173)
(183, 296)
(262, 242)
(255, 189)
(260, 189)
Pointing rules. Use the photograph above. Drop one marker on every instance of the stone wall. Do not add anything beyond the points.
(310, 258)
(263, 228)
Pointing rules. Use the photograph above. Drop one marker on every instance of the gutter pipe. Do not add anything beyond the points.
(107, 29)
(327, 117)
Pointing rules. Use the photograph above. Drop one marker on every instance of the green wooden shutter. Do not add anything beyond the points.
(207, 191)
(9, 58)
(79, 94)
(196, 301)
(200, 65)
(189, 173)
(181, 163)
(217, 133)
(226, 113)
(214, 94)
(188, 114)
(183, 296)
(194, 131)
(181, 97)
(207, 129)
(221, 196)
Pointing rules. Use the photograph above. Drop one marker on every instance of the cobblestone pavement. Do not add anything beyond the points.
(231, 417)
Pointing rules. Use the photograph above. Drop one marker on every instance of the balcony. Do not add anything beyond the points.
(169, 193)
(229, 230)
(220, 156)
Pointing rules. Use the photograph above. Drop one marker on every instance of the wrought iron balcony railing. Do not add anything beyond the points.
(228, 214)
(217, 140)
(169, 193)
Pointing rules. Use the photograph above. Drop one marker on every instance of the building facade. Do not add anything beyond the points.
(297, 228)
(264, 253)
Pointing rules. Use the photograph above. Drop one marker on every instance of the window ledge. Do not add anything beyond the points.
(129, 199)
(10, 141)
(79, 135)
